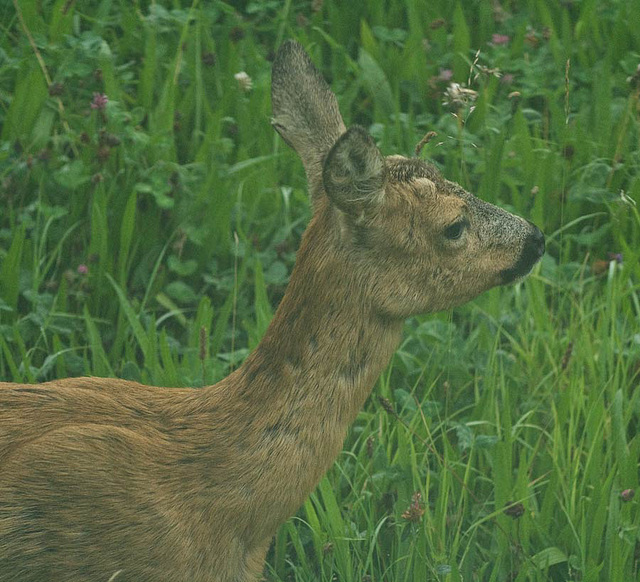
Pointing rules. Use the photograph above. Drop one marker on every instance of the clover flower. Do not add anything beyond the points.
(99, 101)
(244, 81)
(415, 511)
(499, 39)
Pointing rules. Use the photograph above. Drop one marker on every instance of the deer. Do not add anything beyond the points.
(105, 479)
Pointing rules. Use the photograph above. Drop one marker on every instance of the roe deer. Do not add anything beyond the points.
(104, 478)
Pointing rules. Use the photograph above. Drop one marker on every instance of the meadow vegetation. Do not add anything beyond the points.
(149, 218)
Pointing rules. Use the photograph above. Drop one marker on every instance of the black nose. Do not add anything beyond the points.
(532, 251)
(536, 241)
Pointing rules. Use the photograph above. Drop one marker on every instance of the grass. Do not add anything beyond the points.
(152, 238)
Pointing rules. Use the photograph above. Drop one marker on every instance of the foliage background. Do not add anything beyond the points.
(150, 235)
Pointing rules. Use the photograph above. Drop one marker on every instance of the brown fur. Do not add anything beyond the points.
(103, 477)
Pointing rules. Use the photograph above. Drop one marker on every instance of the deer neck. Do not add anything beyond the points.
(296, 394)
(322, 353)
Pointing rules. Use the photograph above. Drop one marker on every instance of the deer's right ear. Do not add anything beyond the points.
(354, 172)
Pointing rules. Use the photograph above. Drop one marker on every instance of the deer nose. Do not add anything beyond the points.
(532, 251)
(536, 241)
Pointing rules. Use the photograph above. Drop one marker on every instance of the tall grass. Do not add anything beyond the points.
(151, 237)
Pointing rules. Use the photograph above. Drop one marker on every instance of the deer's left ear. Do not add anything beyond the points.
(305, 110)
(353, 174)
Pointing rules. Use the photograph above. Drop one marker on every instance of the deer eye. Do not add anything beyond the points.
(454, 231)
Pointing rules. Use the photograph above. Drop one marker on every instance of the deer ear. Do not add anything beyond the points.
(305, 110)
(354, 172)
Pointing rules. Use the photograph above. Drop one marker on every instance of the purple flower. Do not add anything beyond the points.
(514, 510)
(83, 269)
(617, 257)
(99, 101)
(627, 495)
(498, 39)
(507, 79)
(444, 76)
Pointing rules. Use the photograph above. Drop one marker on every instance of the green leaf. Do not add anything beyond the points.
(130, 371)
(158, 190)
(16, 376)
(465, 436)
(101, 366)
(181, 292)
(377, 83)
(548, 557)
(485, 441)
(132, 318)
(405, 400)
(72, 175)
(126, 234)
(396, 36)
(168, 303)
(182, 268)
(277, 273)
(61, 20)
(10, 271)
(261, 301)
(461, 45)
(29, 96)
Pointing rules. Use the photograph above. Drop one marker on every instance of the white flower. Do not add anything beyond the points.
(244, 81)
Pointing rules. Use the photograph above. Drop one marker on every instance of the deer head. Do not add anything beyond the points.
(415, 241)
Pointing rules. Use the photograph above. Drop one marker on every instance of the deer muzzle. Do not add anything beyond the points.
(532, 251)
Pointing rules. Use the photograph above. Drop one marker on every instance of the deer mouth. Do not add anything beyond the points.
(532, 252)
